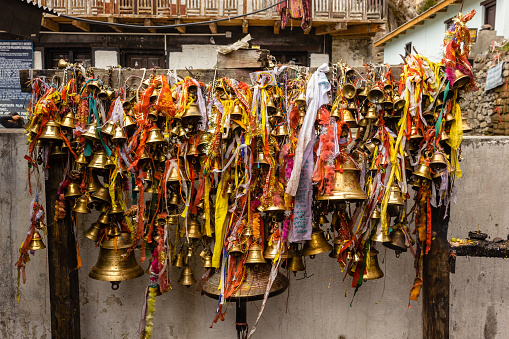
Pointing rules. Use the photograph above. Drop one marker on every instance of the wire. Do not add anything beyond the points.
(117, 24)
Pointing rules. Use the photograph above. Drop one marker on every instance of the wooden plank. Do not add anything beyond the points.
(181, 30)
(50, 24)
(213, 28)
(243, 58)
(328, 29)
(361, 30)
(81, 25)
(435, 274)
(481, 248)
(426, 15)
(149, 22)
(245, 26)
(63, 272)
(116, 28)
(277, 26)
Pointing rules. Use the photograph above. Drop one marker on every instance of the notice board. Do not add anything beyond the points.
(14, 55)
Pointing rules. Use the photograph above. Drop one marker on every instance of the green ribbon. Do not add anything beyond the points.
(439, 120)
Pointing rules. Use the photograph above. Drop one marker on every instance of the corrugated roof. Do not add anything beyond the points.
(419, 20)
(45, 9)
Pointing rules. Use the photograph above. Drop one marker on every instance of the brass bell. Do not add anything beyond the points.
(179, 260)
(57, 152)
(255, 255)
(362, 93)
(105, 94)
(465, 125)
(397, 242)
(444, 136)
(295, 264)
(415, 134)
(36, 243)
(63, 64)
(349, 91)
(50, 132)
(376, 214)
(272, 250)
(174, 199)
(94, 86)
(301, 99)
(317, 244)
(119, 135)
(192, 150)
(94, 184)
(395, 195)
(352, 107)
(174, 174)
(192, 114)
(322, 219)
(73, 190)
(193, 228)
(68, 120)
(271, 107)
(373, 271)
(399, 103)
(388, 104)
(116, 209)
(203, 143)
(207, 261)
(153, 115)
(460, 79)
(261, 161)
(108, 128)
(154, 136)
(110, 164)
(82, 160)
(380, 236)
(35, 128)
(236, 112)
(438, 162)
(349, 119)
(423, 171)
(337, 245)
(104, 219)
(281, 130)
(129, 123)
(346, 185)
(93, 232)
(115, 263)
(187, 277)
(113, 231)
(91, 133)
(375, 95)
(98, 160)
(371, 115)
(102, 194)
(81, 205)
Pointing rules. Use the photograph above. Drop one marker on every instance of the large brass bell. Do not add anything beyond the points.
(36, 243)
(255, 255)
(438, 162)
(397, 242)
(94, 86)
(102, 194)
(423, 171)
(63, 64)
(395, 195)
(68, 120)
(187, 277)
(295, 264)
(192, 113)
(373, 271)
(119, 135)
(91, 133)
(81, 205)
(93, 232)
(50, 132)
(375, 95)
(98, 160)
(115, 263)
(460, 79)
(317, 244)
(349, 91)
(346, 184)
(154, 136)
(73, 190)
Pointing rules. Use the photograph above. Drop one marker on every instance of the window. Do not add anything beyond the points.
(490, 7)
(408, 49)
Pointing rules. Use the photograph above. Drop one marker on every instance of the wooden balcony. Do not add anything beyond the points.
(195, 10)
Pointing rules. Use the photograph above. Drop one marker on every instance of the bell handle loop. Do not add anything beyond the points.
(115, 285)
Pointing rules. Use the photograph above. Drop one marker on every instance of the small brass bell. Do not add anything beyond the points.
(104, 219)
(73, 190)
(438, 162)
(295, 264)
(82, 160)
(337, 245)
(102, 194)
(113, 231)
(388, 104)
(465, 125)
(98, 160)
(349, 119)
(174, 199)
(373, 271)
(397, 242)
(179, 260)
(207, 261)
(94, 86)
(153, 115)
(399, 103)
(362, 93)
(81, 205)
(272, 250)
(50, 132)
(108, 128)
(235, 250)
(57, 152)
(395, 195)
(317, 244)
(371, 115)
(154, 136)
(129, 123)
(68, 120)
(119, 135)
(261, 160)
(322, 219)
(375, 95)
(380, 236)
(110, 164)
(36, 243)
(91, 133)
(192, 114)
(174, 174)
(105, 94)
(281, 130)
(94, 184)
(301, 99)
(193, 228)
(423, 171)
(460, 79)
(415, 134)
(255, 255)
(93, 232)
(444, 136)
(187, 277)
(271, 107)
(349, 91)
(63, 64)
(236, 113)
(352, 107)
(115, 263)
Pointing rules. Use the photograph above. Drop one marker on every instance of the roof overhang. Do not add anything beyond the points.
(22, 17)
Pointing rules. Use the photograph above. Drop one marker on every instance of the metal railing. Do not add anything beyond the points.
(320, 9)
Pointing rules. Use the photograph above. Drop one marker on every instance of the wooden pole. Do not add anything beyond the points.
(435, 308)
(63, 275)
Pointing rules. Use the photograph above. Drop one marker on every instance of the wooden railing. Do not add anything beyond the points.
(320, 9)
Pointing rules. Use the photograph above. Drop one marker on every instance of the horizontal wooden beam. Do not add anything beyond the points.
(481, 248)
(361, 30)
(329, 29)
(81, 25)
(426, 15)
(114, 20)
(50, 24)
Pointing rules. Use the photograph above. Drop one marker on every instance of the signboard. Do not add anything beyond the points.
(473, 34)
(14, 55)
